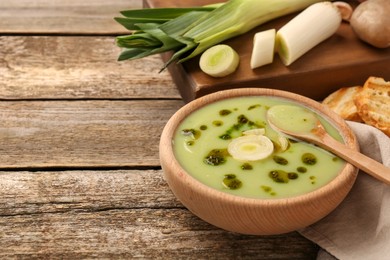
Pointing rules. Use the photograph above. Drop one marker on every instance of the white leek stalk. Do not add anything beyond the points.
(309, 28)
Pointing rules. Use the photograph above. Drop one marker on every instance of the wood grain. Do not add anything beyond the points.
(118, 214)
(82, 133)
(44, 192)
(44, 67)
(63, 17)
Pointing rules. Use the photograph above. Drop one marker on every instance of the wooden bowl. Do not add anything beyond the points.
(250, 215)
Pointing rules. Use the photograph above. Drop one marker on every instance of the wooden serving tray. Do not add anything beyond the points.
(340, 61)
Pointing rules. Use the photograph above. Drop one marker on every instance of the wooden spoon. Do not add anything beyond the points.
(320, 137)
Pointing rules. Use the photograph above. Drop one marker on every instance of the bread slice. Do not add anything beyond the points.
(373, 103)
(341, 102)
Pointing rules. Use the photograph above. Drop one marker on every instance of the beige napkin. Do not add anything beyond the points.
(360, 227)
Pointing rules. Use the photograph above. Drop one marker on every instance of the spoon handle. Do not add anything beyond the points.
(370, 166)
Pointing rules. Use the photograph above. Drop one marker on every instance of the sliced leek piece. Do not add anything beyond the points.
(256, 131)
(250, 147)
(283, 142)
(309, 28)
(219, 60)
(263, 48)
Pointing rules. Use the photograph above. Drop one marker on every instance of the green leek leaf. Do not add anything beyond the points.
(130, 23)
(134, 53)
(139, 40)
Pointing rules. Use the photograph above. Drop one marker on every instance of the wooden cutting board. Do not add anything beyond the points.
(340, 61)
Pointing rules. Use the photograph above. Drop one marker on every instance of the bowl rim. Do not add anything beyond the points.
(348, 171)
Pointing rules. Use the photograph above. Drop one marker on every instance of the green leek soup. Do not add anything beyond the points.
(203, 145)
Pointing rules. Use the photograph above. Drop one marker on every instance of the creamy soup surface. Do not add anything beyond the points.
(201, 146)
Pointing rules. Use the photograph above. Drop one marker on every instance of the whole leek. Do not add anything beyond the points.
(189, 31)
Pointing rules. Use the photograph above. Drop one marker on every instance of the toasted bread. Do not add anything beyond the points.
(341, 102)
(373, 103)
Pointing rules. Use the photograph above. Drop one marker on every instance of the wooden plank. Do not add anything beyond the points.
(42, 192)
(322, 70)
(39, 67)
(82, 133)
(118, 214)
(63, 17)
(138, 233)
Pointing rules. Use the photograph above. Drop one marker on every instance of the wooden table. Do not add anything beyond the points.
(80, 175)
